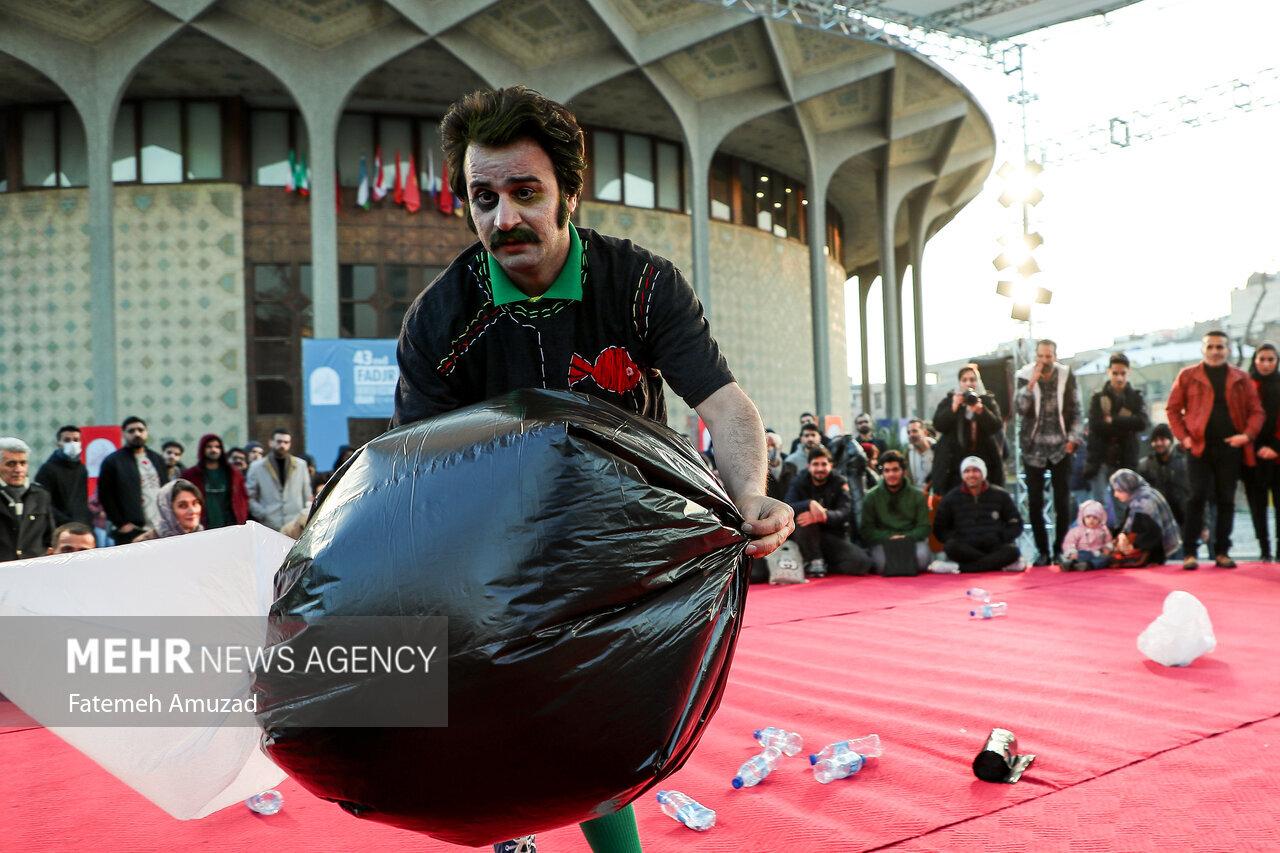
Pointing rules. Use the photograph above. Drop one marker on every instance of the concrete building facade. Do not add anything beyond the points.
(151, 261)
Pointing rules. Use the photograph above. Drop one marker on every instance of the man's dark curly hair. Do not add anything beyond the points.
(502, 117)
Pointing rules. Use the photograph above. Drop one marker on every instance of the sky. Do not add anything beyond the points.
(1152, 236)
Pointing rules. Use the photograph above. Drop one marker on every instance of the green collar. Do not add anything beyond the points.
(568, 284)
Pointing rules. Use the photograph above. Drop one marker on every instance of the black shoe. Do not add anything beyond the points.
(1042, 559)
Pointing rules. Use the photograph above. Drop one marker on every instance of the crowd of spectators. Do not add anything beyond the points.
(862, 507)
(142, 495)
(940, 503)
(865, 508)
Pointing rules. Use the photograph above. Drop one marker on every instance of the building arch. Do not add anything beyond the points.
(91, 60)
(875, 133)
(200, 208)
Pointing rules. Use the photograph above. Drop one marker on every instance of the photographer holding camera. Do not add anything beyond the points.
(969, 424)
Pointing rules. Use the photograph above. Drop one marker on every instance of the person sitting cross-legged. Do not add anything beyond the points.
(977, 524)
(820, 498)
(895, 509)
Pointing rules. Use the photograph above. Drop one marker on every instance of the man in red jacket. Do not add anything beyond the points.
(1215, 414)
(226, 500)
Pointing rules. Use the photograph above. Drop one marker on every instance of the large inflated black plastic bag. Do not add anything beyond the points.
(593, 576)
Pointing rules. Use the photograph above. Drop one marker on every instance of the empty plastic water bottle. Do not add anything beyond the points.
(268, 802)
(978, 594)
(687, 810)
(846, 758)
(868, 746)
(789, 742)
(989, 611)
(840, 767)
(755, 769)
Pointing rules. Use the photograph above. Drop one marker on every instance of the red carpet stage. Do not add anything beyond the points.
(1131, 755)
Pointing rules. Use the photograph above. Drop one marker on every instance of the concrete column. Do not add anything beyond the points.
(99, 122)
(825, 153)
(699, 160)
(704, 125)
(892, 291)
(320, 81)
(902, 260)
(918, 303)
(94, 79)
(816, 224)
(915, 246)
(866, 275)
(322, 137)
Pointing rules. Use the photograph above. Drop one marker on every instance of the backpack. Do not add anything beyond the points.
(786, 565)
(899, 558)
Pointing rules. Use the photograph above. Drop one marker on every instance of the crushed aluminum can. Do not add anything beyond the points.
(997, 762)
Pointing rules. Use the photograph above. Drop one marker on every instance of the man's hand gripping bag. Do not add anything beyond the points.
(592, 576)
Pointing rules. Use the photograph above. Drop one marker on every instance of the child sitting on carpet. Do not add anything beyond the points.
(1087, 545)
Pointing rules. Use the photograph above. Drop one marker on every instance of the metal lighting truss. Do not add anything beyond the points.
(872, 22)
(944, 35)
(1214, 103)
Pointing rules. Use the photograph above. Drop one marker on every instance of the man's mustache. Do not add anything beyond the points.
(516, 235)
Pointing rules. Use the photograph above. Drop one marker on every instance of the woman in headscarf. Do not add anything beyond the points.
(180, 503)
(1262, 481)
(1149, 535)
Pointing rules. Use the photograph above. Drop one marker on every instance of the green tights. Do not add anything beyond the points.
(614, 833)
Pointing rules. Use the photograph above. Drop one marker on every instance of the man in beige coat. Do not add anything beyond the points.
(279, 485)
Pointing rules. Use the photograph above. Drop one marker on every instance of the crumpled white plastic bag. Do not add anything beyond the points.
(189, 772)
(1180, 634)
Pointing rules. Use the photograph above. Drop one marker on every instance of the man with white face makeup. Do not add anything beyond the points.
(540, 303)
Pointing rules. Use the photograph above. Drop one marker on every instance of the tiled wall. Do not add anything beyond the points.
(180, 311)
(179, 257)
(46, 364)
(179, 279)
(760, 309)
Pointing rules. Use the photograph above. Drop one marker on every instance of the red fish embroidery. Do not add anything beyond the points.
(613, 370)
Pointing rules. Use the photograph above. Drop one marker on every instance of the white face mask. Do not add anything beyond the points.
(71, 449)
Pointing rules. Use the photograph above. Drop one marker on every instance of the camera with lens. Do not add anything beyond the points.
(971, 397)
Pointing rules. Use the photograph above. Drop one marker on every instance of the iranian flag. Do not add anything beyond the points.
(379, 186)
(412, 196)
(300, 179)
(444, 198)
(397, 194)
